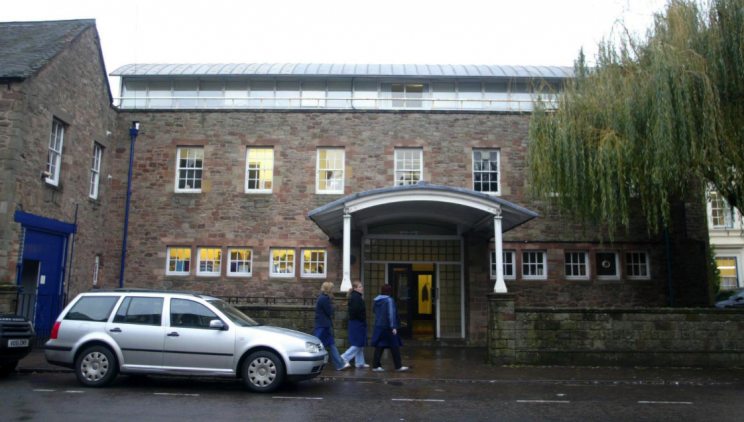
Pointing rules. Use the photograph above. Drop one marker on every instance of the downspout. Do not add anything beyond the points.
(133, 131)
(72, 254)
(669, 267)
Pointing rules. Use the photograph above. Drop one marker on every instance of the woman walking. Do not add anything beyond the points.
(324, 326)
(385, 335)
(357, 326)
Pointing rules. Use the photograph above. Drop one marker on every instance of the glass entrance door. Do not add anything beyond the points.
(401, 277)
(414, 293)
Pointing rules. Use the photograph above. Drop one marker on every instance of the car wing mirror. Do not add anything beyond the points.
(216, 324)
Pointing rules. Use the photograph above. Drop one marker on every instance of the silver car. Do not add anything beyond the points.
(104, 332)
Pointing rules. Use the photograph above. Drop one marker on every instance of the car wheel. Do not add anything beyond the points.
(96, 367)
(263, 372)
(6, 369)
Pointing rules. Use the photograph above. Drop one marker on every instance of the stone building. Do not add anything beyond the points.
(265, 180)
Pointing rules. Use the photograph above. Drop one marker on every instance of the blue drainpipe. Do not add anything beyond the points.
(133, 131)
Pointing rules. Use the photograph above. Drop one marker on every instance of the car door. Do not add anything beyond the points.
(190, 345)
(138, 330)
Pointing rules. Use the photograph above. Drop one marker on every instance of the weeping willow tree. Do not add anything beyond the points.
(656, 117)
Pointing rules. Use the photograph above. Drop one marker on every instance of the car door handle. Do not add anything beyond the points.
(173, 334)
(115, 330)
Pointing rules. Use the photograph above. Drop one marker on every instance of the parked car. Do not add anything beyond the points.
(730, 299)
(16, 341)
(106, 332)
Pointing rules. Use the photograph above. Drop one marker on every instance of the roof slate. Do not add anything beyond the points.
(25, 47)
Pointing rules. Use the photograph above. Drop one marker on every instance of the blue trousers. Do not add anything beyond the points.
(338, 363)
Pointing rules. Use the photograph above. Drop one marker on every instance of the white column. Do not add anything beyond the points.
(346, 281)
(500, 286)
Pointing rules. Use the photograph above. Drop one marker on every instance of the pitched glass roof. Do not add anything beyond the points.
(340, 70)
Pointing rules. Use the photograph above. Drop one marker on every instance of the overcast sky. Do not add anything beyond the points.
(496, 32)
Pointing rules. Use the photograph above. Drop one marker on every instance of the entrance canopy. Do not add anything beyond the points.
(469, 210)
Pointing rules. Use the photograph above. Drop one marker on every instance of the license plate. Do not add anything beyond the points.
(325, 359)
(17, 343)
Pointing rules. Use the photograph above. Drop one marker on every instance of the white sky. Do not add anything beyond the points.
(495, 32)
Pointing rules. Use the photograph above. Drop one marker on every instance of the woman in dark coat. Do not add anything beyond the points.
(357, 326)
(385, 334)
(324, 326)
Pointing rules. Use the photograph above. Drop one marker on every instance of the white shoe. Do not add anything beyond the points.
(378, 369)
(346, 366)
(363, 366)
(402, 369)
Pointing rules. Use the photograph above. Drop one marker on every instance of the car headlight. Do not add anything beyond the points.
(312, 347)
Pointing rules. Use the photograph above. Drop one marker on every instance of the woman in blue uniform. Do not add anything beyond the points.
(357, 326)
(385, 335)
(324, 326)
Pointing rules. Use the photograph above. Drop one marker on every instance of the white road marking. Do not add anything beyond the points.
(664, 402)
(417, 400)
(297, 398)
(74, 391)
(41, 390)
(543, 401)
(176, 394)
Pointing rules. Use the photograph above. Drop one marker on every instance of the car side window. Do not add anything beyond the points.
(93, 308)
(190, 314)
(140, 310)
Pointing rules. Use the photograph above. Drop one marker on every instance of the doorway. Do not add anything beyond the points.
(414, 292)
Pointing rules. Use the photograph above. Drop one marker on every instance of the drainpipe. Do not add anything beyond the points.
(669, 267)
(133, 131)
(72, 254)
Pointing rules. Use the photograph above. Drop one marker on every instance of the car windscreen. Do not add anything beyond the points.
(238, 318)
(93, 308)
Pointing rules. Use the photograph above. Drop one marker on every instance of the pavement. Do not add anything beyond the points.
(460, 364)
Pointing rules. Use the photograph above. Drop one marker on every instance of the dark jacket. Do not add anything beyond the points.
(323, 312)
(357, 310)
(386, 313)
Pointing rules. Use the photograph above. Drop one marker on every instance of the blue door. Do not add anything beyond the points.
(49, 250)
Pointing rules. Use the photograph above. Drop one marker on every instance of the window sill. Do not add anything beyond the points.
(193, 192)
(208, 275)
(329, 193)
(490, 193)
(311, 276)
(52, 186)
(177, 274)
(239, 276)
(259, 192)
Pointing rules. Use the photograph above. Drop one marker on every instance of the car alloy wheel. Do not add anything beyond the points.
(263, 372)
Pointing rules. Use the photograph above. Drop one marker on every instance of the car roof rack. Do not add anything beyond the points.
(143, 291)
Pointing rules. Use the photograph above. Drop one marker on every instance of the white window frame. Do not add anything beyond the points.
(334, 170)
(736, 270)
(95, 171)
(216, 262)
(168, 260)
(272, 273)
(54, 154)
(544, 255)
(96, 265)
(504, 262)
(324, 274)
(617, 266)
(260, 181)
(628, 264)
(249, 262)
(719, 203)
(586, 265)
(178, 169)
(488, 172)
(395, 160)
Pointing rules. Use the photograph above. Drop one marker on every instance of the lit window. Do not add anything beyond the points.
(729, 272)
(190, 167)
(282, 262)
(637, 265)
(240, 262)
(95, 170)
(607, 266)
(534, 265)
(577, 265)
(259, 172)
(54, 157)
(720, 211)
(508, 262)
(486, 171)
(409, 166)
(179, 261)
(313, 262)
(330, 172)
(210, 261)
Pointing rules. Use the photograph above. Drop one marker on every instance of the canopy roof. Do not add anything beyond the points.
(469, 210)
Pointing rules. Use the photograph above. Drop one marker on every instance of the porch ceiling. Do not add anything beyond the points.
(469, 210)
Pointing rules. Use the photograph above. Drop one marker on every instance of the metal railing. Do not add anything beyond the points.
(269, 301)
(42, 311)
(325, 103)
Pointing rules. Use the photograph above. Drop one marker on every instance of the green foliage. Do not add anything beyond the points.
(654, 118)
(714, 274)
